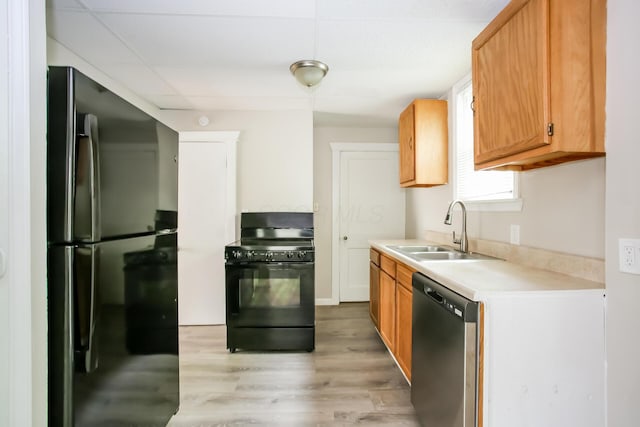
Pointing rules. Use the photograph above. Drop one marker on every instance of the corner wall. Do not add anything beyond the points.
(622, 211)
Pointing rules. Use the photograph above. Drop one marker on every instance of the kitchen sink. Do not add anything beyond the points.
(448, 255)
(420, 249)
(436, 253)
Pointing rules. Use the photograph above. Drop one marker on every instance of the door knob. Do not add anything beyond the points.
(344, 237)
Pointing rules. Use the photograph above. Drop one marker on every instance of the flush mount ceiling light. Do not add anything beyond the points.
(309, 72)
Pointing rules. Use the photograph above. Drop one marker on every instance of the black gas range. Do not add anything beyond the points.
(270, 290)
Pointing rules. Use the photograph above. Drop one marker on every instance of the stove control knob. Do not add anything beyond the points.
(268, 256)
(237, 254)
(250, 254)
(289, 254)
(302, 254)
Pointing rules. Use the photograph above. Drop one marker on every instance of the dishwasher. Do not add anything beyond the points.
(444, 363)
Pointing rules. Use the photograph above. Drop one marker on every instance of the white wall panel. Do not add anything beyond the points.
(622, 210)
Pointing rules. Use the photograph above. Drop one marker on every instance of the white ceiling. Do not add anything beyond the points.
(209, 55)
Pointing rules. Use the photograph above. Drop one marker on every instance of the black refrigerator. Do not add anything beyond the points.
(112, 174)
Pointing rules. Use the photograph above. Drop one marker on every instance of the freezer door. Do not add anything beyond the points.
(111, 168)
(73, 175)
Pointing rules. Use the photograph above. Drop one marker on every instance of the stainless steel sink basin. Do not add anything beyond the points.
(419, 249)
(441, 255)
(436, 253)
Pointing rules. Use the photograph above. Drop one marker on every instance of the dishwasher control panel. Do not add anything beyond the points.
(454, 303)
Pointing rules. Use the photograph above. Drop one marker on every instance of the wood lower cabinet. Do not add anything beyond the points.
(394, 302)
(387, 309)
(404, 301)
(539, 84)
(374, 287)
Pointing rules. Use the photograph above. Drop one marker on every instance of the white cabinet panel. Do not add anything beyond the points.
(202, 232)
(544, 360)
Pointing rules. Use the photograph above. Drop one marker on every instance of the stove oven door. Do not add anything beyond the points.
(270, 294)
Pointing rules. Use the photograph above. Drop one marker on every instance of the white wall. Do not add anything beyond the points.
(275, 155)
(563, 209)
(322, 170)
(622, 210)
(4, 215)
(23, 345)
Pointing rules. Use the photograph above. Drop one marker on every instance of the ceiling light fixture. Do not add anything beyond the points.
(309, 72)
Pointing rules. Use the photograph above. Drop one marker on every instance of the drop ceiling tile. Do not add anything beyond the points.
(251, 103)
(170, 102)
(197, 40)
(271, 8)
(204, 81)
(392, 44)
(407, 10)
(88, 38)
(140, 78)
(235, 54)
(64, 4)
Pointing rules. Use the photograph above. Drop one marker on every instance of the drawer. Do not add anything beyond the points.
(403, 276)
(374, 256)
(388, 265)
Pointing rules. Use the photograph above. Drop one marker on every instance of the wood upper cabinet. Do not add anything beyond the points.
(423, 142)
(404, 310)
(539, 84)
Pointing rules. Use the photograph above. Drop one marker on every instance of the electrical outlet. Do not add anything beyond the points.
(629, 255)
(515, 234)
(3, 264)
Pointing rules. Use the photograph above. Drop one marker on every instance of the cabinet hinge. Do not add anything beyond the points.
(550, 129)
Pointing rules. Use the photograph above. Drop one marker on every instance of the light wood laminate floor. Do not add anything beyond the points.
(349, 379)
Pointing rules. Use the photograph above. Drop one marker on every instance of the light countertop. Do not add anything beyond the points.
(481, 279)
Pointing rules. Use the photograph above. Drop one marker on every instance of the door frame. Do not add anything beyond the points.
(337, 148)
(23, 362)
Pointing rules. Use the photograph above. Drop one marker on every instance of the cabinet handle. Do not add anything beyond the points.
(473, 105)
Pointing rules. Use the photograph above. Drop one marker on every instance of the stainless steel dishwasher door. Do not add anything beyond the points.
(444, 359)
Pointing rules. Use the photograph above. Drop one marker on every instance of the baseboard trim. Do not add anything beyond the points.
(327, 301)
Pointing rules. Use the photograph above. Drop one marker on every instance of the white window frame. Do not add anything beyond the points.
(503, 205)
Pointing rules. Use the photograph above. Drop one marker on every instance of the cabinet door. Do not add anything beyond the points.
(406, 140)
(387, 309)
(374, 293)
(403, 327)
(511, 82)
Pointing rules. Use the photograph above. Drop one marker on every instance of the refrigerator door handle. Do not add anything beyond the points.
(87, 259)
(87, 181)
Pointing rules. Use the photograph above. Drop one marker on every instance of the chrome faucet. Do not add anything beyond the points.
(462, 241)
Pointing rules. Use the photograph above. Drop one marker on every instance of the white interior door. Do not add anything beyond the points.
(372, 206)
(202, 232)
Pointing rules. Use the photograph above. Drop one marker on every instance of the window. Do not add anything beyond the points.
(480, 188)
